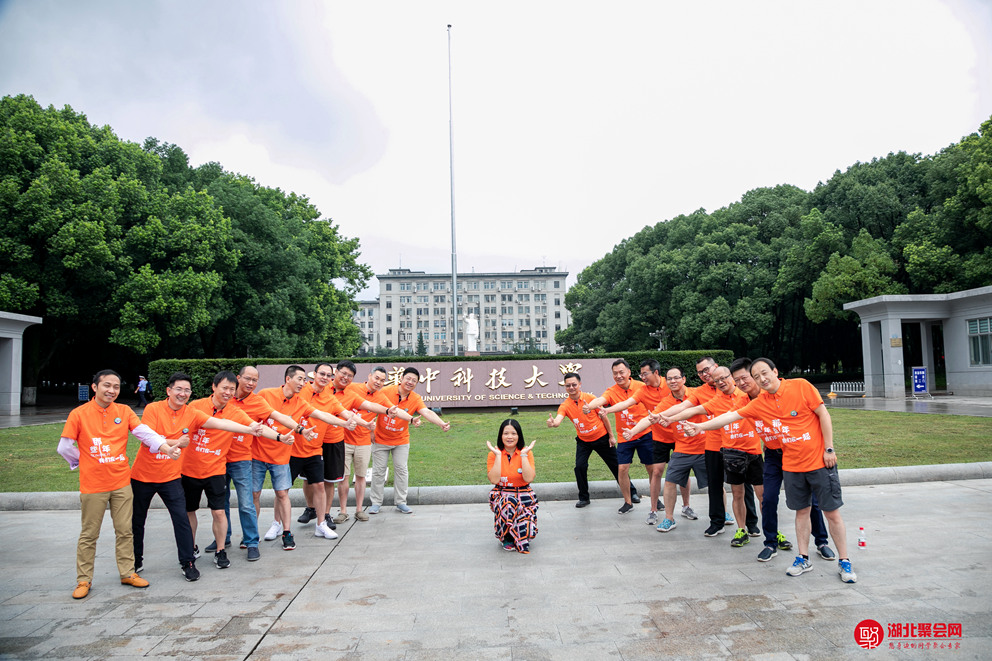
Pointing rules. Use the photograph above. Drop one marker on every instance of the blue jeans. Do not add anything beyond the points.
(239, 472)
(772, 480)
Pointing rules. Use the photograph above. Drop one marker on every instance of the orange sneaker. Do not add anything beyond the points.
(81, 590)
(135, 581)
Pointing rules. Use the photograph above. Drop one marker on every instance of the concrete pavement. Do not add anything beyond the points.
(437, 585)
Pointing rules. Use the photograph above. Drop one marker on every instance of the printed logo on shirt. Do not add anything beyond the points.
(117, 421)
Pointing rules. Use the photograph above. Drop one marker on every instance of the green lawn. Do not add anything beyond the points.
(29, 462)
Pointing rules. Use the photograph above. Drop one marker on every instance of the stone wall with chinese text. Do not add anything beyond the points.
(484, 383)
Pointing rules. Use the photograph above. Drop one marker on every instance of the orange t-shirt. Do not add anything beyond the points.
(588, 426)
(101, 436)
(629, 417)
(396, 431)
(790, 410)
(511, 468)
(157, 467)
(739, 435)
(705, 393)
(676, 434)
(650, 397)
(297, 408)
(361, 435)
(206, 455)
(328, 403)
(258, 410)
(350, 401)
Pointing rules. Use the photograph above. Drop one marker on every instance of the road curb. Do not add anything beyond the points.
(479, 493)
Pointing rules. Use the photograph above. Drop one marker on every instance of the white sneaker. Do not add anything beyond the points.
(323, 531)
(274, 531)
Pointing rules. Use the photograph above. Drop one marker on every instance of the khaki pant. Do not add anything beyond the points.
(92, 508)
(380, 459)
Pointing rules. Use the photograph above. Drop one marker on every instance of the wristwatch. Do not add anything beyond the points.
(829, 450)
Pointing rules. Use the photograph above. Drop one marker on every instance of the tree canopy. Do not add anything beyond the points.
(770, 274)
(131, 254)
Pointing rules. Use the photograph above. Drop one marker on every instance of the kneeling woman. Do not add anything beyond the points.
(511, 469)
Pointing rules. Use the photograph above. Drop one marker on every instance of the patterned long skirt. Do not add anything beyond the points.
(515, 511)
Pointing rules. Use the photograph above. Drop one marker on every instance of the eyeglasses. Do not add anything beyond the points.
(325, 375)
(724, 379)
(181, 391)
(674, 378)
(705, 370)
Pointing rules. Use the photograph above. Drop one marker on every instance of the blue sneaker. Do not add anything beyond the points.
(666, 525)
(402, 507)
(799, 567)
(373, 509)
(846, 572)
(729, 520)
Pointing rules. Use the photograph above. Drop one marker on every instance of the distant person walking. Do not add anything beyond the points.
(141, 390)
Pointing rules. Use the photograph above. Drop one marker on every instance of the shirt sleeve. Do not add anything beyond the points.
(148, 437)
(70, 452)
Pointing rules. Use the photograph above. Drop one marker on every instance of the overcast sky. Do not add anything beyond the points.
(575, 123)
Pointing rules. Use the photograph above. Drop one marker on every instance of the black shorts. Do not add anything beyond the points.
(311, 468)
(741, 467)
(334, 462)
(214, 486)
(663, 452)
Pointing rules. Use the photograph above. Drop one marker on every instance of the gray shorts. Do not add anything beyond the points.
(823, 482)
(680, 465)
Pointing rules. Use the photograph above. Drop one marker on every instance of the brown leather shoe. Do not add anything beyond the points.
(134, 581)
(81, 590)
(361, 516)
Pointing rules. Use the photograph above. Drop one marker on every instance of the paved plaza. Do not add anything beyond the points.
(437, 585)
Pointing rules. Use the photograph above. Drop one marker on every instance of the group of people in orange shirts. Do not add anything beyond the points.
(716, 431)
(317, 429)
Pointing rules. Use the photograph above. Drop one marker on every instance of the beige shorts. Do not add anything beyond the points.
(360, 456)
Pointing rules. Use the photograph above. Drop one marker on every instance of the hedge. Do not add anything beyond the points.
(202, 371)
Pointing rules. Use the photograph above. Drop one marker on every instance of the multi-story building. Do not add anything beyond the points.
(515, 310)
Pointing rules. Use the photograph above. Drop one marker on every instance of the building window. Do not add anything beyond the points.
(389, 303)
(523, 284)
(389, 286)
(389, 344)
(506, 284)
(389, 317)
(980, 341)
(557, 284)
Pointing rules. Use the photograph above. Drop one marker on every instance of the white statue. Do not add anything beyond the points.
(472, 332)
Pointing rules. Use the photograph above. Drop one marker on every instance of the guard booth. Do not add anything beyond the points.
(11, 351)
(953, 331)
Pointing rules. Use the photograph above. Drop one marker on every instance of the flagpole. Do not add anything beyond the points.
(454, 254)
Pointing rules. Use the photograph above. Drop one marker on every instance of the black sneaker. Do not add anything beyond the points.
(288, 543)
(753, 531)
(582, 503)
(190, 572)
(220, 559)
(635, 497)
(196, 551)
(212, 546)
(139, 567)
(626, 507)
(309, 514)
(767, 554)
(825, 552)
(253, 554)
(330, 522)
(713, 530)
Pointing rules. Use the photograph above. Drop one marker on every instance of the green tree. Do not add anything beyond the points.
(421, 344)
